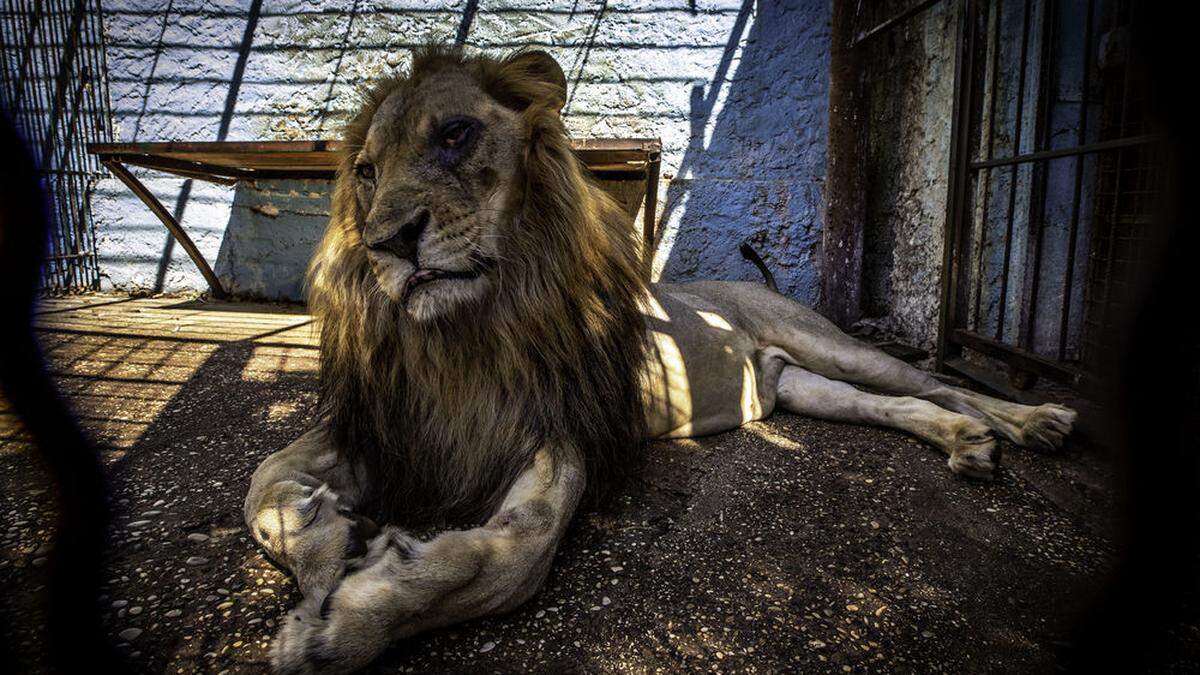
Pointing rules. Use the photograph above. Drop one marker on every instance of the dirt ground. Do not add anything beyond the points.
(789, 545)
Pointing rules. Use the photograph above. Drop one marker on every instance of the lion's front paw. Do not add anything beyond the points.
(356, 620)
(322, 638)
(307, 530)
(299, 645)
(1047, 426)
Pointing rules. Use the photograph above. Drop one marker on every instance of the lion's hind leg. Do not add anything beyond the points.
(971, 448)
(813, 343)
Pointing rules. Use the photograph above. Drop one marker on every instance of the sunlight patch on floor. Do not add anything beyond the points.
(120, 362)
(764, 432)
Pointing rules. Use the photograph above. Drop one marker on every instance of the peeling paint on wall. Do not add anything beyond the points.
(273, 229)
(911, 95)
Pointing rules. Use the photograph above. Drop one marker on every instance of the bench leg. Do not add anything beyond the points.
(173, 226)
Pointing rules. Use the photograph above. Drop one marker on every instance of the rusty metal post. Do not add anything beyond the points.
(954, 243)
(845, 183)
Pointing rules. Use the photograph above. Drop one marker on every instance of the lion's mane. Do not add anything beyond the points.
(442, 416)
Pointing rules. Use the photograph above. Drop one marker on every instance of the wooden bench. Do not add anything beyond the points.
(626, 167)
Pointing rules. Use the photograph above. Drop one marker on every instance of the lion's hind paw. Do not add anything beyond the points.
(1047, 426)
(978, 459)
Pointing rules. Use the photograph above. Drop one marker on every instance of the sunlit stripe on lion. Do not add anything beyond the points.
(672, 398)
(714, 320)
(652, 308)
(751, 403)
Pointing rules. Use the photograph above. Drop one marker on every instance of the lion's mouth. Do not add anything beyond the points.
(428, 275)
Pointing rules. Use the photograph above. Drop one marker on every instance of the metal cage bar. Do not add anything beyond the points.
(1047, 84)
(1014, 175)
(1106, 194)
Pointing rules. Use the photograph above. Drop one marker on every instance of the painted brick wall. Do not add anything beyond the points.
(736, 90)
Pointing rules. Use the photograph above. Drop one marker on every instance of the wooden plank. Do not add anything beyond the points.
(323, 156)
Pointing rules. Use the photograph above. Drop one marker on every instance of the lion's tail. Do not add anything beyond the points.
(750, 254)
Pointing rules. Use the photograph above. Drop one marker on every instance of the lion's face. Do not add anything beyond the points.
(433, 181)
(472, 280)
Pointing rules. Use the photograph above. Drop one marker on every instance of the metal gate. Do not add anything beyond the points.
(1053, 179)
(54, 88)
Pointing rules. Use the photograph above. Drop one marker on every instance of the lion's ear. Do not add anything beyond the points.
(540, 69)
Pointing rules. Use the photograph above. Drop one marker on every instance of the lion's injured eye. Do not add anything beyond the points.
(365, 171)
(454, 139)
(455, 135)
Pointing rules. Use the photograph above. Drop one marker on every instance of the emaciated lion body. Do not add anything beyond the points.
(489, 351)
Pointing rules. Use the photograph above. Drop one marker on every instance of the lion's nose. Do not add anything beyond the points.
(403, 243)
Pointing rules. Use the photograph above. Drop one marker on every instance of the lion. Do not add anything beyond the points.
(490, 350)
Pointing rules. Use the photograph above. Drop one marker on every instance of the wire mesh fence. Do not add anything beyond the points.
(53, 86)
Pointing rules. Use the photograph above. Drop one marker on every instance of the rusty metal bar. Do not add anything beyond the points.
(649, 233)
(1014, 175)
(72, 189)
(1081, 137)
(65, 66)
(34, 18)
(994, 39)
(1037, 215)
(957, 205)
(70, 273)
(70, 185)
(9, 92)
(169, 221)
(842, 235)
(990, 381)
(1075, 151)
(1026, 360)
(883, 27)
(53, 77)
(99, 126)
(186, 169)
(1114, 212)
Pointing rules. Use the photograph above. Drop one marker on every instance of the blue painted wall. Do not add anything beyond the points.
(736, 89)
(755, 159)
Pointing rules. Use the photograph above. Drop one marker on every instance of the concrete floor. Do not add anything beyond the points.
(791, 544)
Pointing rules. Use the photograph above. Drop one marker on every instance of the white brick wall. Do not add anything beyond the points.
(737, 91)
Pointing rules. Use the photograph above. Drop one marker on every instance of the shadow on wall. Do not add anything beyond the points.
(755, 163)
(273, 230)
